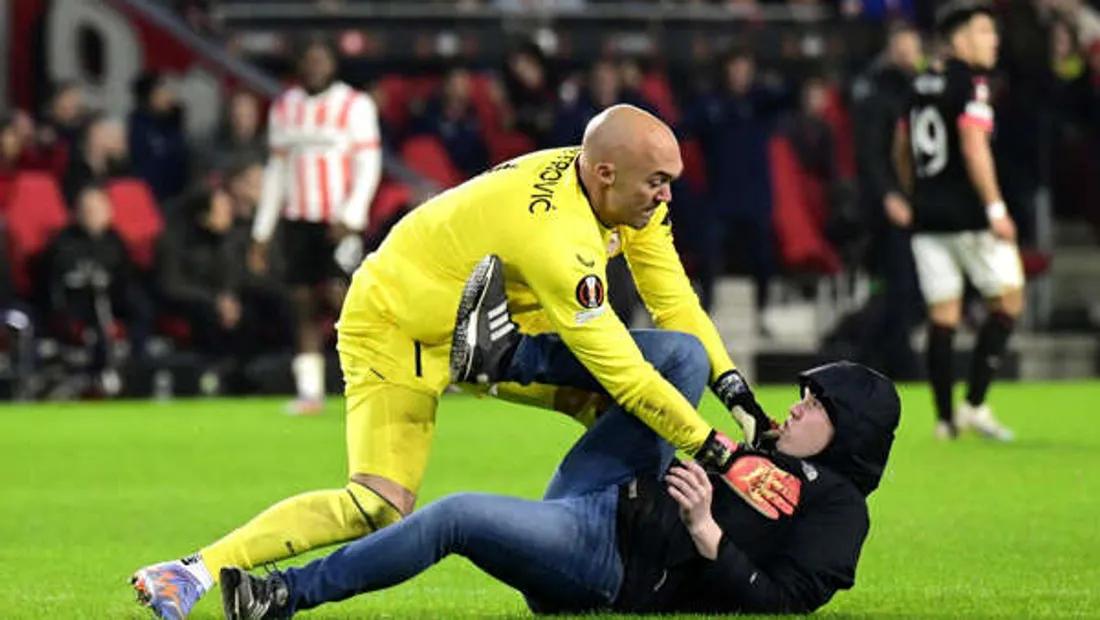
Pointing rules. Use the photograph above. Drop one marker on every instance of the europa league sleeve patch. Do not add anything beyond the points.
(590, 292)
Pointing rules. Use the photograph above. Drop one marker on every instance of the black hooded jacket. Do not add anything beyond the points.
(791, 565)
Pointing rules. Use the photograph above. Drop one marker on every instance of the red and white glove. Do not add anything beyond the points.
(755, 478)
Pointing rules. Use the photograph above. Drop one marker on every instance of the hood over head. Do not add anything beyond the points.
(864, 408)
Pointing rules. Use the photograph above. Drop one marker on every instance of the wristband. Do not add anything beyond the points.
(729, 387)
(716, 453)
(996, 210)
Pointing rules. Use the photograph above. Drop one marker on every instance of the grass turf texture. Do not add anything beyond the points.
(93, 491)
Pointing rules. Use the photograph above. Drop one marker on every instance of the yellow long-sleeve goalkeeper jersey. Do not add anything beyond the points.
(533, 214)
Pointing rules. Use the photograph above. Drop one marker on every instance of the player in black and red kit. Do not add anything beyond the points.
(959, 220)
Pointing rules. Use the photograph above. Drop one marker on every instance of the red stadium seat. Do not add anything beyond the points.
(401, 94)
(176, 328)
(815, 197)
(70, 331)
(426, 156)
(656, 90)
(6, 182)
(136, 218)
(695, 165)
(1035, 262)
(392, 198)
(421, 88)
(802, 246)
(52, 159)
(485, 103)
(501, 143)
(836, 115)
(505, 145)
(36, 211)
(394, 110)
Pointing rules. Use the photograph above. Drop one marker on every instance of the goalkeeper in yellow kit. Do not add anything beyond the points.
(550, 220)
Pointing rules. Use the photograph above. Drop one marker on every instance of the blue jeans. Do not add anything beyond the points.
(560, 552)
(604, 457)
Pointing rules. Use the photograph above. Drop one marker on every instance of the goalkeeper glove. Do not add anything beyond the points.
(754, 478)
(733, 390)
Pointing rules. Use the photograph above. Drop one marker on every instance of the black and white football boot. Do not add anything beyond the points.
(248, 597)
(485, 337)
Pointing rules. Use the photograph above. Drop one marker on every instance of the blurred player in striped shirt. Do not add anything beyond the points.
(322, 173)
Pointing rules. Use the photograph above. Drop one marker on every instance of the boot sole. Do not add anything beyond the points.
(473, 295)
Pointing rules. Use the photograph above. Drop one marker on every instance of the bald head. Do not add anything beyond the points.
(626, 131)
(628, 161)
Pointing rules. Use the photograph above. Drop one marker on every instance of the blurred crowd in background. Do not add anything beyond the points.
(748, 132)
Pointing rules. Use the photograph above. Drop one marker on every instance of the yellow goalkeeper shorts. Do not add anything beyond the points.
(392, 387)
(389, 432)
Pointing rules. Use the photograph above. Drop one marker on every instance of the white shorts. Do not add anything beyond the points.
(993, 265)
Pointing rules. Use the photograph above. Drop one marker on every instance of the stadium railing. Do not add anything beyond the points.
(395, 36)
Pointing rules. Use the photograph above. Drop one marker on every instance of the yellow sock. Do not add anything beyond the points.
(300, 523)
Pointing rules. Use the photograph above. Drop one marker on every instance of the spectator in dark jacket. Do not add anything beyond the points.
(101, 155)
(28, 149)
(262, 289)
(733, 126)
(60, 130)
(240, 136)
(602, 90)
(620, 530)
(158, 147)
(814, 143)
(199, 276)
(531, 93)
(92, 281)
(630, 83)
(809, 133)
(450, 116)
(879, 98)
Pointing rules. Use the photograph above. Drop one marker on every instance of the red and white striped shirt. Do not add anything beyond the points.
(325, 161)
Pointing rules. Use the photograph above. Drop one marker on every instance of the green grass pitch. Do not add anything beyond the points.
(92, 491)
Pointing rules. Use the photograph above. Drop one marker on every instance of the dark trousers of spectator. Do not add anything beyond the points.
(97, 310)
(209, 337)
(886, 338)
(268, 317)
(751, 234)
(265, 324)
